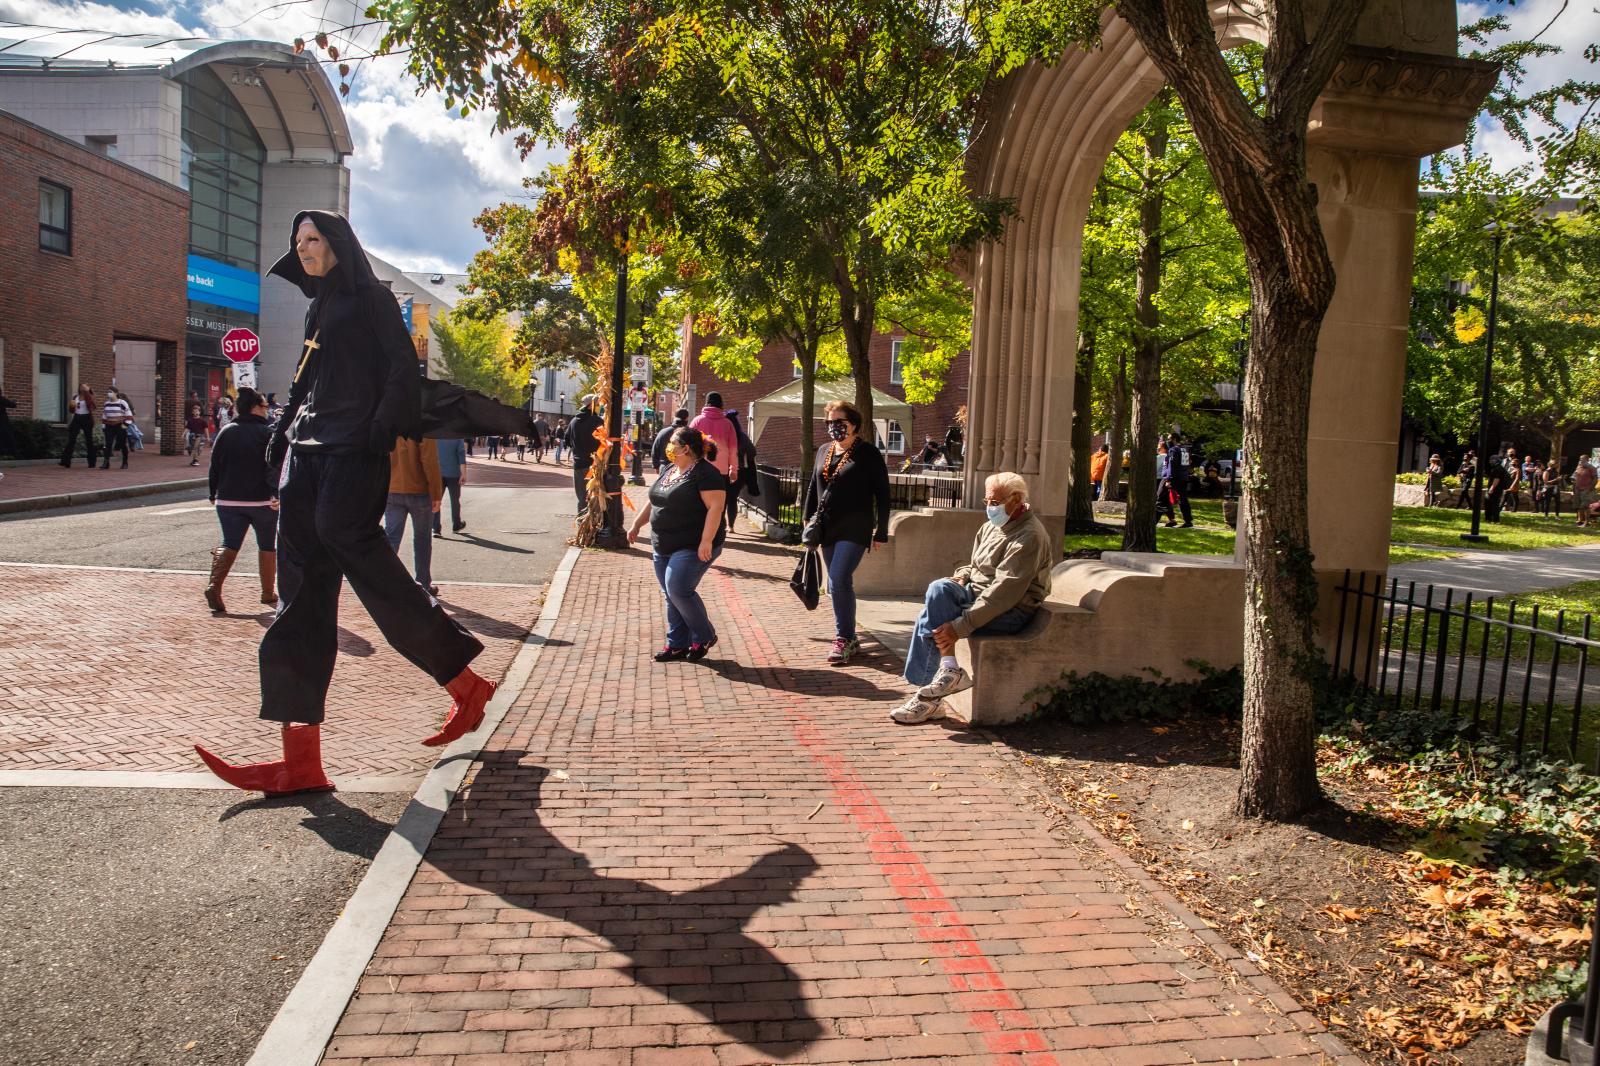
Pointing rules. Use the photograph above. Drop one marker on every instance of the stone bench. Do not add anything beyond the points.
(1122, 614)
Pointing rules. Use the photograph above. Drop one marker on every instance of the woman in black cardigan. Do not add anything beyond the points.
(850, 486)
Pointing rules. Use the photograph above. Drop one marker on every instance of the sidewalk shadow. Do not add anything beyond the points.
(482, 624)
(690, 946)
(495, 545)
(350, 643)
(343, 827)
(802, 680)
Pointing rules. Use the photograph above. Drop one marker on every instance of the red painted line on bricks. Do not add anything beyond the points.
(994, 1011)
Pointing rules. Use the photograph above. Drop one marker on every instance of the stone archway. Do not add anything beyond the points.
(1399, 94)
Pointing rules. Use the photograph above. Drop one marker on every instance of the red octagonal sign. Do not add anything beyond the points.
(241, 345)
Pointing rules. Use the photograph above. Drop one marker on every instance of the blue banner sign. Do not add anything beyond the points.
(223, 285)
(405, 312)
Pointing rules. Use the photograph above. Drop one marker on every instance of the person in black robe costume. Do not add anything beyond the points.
(355, 391)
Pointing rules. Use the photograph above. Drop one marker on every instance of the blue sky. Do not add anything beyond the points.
(421, 173)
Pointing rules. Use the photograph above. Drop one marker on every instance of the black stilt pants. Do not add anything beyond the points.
(329, 529)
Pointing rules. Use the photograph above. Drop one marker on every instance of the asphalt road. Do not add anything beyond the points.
(156, 927)
(159, 926)
(515, 534)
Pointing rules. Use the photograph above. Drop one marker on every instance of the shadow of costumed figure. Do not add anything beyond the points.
(356, 390)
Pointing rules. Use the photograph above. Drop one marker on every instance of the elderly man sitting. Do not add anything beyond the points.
(995, 594)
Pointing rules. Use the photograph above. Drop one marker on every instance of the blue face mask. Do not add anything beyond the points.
(997, 514)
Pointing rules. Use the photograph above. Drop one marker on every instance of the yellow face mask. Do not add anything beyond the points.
(672, 452)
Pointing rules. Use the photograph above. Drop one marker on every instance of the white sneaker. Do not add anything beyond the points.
(917, 710)
(949, 679)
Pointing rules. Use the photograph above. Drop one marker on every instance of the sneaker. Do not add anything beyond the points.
(697, 652)
(669, 654)
(949, 680)
(917, 710)
(842, 650)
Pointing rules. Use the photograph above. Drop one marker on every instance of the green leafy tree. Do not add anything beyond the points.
(477, 353)
(862, 110)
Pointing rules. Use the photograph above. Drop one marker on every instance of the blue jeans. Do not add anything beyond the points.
(945, 602)
(842, 558)
(679, 576)
(419, 505)
(236, 521)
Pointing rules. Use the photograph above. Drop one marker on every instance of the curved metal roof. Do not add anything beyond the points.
(287, 95)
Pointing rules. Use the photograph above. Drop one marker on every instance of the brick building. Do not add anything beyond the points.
(779, 444)
(91, 265)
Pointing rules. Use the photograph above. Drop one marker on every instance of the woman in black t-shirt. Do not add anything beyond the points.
(686, 535)
(850, 486)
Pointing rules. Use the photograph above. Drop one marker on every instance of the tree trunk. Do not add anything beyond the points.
(857, 316)
(808, 407)
(1139, 528)
(1080, 489)
(1118, 437)
(1277, 760)
(1558, 442)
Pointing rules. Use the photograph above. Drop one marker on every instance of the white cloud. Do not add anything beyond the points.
(1574, 26)
(420, 173)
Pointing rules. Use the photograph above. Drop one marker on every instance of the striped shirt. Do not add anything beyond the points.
(116, 412)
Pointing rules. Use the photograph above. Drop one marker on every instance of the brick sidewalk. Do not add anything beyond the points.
(744, 861)
(145, 468)
(84, 687)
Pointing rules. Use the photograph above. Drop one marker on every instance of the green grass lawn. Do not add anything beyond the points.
(1498, 645)
(1514, 532)
(1211, 536)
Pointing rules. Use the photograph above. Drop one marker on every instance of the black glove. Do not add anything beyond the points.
(277, 448)
(380, 438)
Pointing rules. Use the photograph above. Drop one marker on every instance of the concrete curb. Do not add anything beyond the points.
(78, 499)
(299, 1033)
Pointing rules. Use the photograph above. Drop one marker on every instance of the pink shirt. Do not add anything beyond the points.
(712, 423)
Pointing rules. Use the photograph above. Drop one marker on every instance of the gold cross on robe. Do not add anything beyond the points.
(311, 345)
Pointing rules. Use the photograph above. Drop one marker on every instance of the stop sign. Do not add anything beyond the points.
(241, 345)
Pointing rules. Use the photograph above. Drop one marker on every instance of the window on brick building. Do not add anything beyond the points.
(52, 386)
(896, 436)
(55, 217)
(894, 363)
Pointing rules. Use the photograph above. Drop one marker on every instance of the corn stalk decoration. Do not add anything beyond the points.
(593, 519)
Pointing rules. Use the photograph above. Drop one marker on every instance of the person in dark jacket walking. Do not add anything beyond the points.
(1180, 469)
(581, 443)
(245, 495)
(658, 450)
(8, 440)
(355, 391)
(81, 413)
(849, 488)
(744, 473)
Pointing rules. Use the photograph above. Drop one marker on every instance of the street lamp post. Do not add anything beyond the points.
(613, 535)
(1475, 536)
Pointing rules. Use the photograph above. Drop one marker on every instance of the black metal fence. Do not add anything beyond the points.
(779, 492)
(1496, 667)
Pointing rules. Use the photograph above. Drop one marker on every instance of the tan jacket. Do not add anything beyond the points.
(414, 469)
(1010, 568)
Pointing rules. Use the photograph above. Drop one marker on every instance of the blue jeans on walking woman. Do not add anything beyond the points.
(842, 558)
(418, 505)
(945, 602)
(679, 575)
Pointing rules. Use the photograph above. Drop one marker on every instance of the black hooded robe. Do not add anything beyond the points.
(352, 396)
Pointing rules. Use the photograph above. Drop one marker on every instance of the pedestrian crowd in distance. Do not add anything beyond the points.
(1510, 485)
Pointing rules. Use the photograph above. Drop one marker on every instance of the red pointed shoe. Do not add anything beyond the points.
(300, 769)
(469, 694)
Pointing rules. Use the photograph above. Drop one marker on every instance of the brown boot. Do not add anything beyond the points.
(267, 563)
(221, 562)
